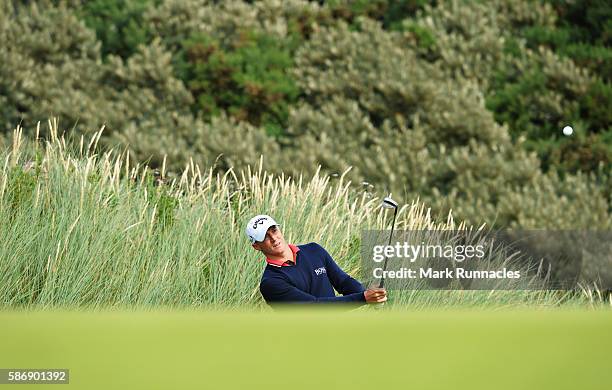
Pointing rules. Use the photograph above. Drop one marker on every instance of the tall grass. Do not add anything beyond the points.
(87, 228)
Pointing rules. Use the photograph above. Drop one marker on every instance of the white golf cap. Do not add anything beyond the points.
(257, 227)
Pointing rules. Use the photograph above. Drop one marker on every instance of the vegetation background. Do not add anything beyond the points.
(456, 107)
(449, 105)
(88, 229)
(458, 103)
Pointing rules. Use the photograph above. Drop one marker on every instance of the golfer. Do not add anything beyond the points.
(302, 273)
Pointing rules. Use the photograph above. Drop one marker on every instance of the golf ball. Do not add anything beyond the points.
(567, 130)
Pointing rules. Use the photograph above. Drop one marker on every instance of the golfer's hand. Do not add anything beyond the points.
(375, 295)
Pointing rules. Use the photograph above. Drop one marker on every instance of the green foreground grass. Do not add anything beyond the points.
(560, 349)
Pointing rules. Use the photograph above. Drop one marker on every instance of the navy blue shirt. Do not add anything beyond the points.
(312, 279)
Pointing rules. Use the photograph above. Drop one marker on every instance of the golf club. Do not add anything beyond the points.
(388, 203)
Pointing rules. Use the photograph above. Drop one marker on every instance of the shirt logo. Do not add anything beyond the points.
(320, 271)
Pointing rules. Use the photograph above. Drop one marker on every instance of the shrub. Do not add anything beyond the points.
(50, 66)
(420, 133)
(449, 105)
(587, 31)
(119, 25)
(246, 78)
(532, 89)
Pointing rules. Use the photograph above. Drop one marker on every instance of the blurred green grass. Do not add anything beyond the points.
(561, 349)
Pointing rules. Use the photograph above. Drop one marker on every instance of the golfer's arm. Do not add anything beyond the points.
(342, 282)
(278, 290)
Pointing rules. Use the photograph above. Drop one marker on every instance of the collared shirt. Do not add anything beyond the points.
(315, 279)
(285, 263)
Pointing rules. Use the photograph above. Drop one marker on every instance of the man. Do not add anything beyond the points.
(303, 273)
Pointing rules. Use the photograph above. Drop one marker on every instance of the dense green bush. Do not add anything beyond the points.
(460, 103)
(246, 78)
(59, 72)
(50, 66)
(533, 90)
(583, 32)
(118, 24)
(419, 132)
(390, 13)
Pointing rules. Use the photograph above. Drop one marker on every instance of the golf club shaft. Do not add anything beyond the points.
(382, 279)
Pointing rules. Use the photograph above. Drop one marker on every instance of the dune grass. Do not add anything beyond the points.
(87, 228)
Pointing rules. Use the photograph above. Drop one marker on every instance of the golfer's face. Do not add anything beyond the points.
(274, 241)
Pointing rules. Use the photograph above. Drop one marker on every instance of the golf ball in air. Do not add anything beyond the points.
(567, 130)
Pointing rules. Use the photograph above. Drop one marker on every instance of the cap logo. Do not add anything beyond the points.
(259, 222)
